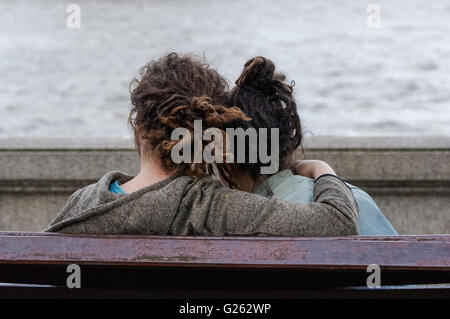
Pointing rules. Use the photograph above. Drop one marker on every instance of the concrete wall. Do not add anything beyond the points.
(408, 177)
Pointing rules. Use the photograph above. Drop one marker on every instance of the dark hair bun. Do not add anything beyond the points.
(258, 74)
(264, 96)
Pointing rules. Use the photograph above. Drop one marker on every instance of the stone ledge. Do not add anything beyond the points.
(409, 178)
(371, 160)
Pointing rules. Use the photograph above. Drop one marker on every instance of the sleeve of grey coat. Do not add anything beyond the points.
(333, 213)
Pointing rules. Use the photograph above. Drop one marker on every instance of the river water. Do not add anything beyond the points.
(350, 79)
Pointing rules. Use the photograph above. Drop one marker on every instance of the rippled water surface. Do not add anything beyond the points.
(350, 80)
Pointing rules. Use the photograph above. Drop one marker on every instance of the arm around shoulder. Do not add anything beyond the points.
(223, 211)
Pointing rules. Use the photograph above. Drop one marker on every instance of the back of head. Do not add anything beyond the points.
(172, 92)
(268, 100)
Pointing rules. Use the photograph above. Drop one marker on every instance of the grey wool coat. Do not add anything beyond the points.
(183, 205)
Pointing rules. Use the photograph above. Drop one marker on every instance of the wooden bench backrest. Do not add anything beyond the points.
(222, 263)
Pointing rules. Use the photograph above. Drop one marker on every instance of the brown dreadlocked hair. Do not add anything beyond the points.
(264, 96)
(173, 92)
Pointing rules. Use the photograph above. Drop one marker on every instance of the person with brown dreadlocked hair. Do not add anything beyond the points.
(171, 198)
(265, 97)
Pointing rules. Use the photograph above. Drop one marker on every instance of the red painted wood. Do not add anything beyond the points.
(354, 252)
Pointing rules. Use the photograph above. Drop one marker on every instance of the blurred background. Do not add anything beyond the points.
(351, 79)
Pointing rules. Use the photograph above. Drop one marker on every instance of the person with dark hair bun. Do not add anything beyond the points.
(265, 97)
(168, 197)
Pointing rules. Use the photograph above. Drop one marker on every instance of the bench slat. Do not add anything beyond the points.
(337, 253)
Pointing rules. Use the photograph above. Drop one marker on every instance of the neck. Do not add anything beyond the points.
(244, 181)
(151, 172)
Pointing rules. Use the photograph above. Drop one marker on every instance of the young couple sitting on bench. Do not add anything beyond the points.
(225, 196)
